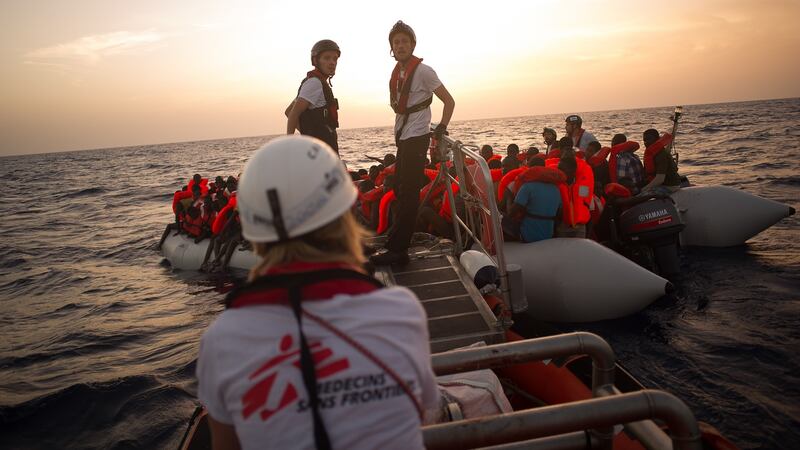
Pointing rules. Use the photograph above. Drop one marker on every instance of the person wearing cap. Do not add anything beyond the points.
(411, 90)
(315, 110)
(312, 352)
(550, 139)
(579, 136)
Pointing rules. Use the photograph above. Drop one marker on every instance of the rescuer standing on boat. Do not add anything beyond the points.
(411, 87)
(315, 111)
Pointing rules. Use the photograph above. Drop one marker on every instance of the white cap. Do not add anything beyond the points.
(298, 180)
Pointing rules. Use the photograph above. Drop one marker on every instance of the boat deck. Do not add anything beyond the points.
(457, 314)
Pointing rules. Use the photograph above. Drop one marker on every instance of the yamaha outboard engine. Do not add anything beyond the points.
(654, 222)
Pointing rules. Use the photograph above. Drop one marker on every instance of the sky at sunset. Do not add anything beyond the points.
(107, 73)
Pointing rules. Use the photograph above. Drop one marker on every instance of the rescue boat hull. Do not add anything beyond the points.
(183, 253)
(579, 280)
(721, 216)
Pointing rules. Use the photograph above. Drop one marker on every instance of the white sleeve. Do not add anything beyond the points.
(209, 390)
(311, 91)
(430, 80)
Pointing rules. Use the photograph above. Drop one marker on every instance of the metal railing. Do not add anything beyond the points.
(474, 207)
(563, 423)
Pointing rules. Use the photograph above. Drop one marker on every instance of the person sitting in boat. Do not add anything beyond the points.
(230, 186)
(511, 161)
(300, 357)
(624, 166)
(223, 214)
(661, 172)
(487, 152)
(580, 137)
(577, 196)
(596, 158)
(530, 153)
(537, 204)
(177, 226)
(550, 140)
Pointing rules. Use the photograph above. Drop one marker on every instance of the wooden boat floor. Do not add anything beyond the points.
(457, 314)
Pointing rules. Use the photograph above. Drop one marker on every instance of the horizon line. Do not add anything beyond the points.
(387, 126)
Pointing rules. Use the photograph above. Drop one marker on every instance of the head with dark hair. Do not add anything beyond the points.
(495, 164)
(649, 136)
(618, 138)
(592, 148)
(531, 151)
(389, 159)
(512, 150)
(486, 151)
(510, 163)
(231, 183)
(197, 178)
(374, 171)
(366, 186)
(569, 166)
(565, 143)
(219, 181)
(362, 172)
(535, 161)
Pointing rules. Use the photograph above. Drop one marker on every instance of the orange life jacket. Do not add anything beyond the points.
(399, 88)
(384, 173)
(506, 180)
(383, 210)
(650, 153)
(368, 199)
(445, 211)
(179, 195)
(627, 146)
(203, 186)
(578, 196)
(193, 226)
(599, 158)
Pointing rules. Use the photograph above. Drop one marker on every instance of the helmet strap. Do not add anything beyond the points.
(277, 215)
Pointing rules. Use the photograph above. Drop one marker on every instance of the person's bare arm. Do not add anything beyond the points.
(657, 181)
(223, 436)
(449, 104)
(293, 114)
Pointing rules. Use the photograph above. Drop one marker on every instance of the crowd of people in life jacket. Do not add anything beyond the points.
(208, 210)
(558, 192)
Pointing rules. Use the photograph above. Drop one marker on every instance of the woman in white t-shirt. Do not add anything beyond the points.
(309, 300)
(315, 110)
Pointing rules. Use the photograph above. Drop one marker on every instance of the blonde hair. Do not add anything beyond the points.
(338, 241)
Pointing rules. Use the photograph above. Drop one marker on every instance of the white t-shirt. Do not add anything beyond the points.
(584, 141)
(249, 376)
(423, 84)
(311, 91)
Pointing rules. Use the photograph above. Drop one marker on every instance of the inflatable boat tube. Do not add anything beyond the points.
(182, 253)
(579, 280)
(721, 216)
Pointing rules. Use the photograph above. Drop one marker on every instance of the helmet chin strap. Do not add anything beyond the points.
(277, 216)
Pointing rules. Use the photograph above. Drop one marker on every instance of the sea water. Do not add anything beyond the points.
(99, 337)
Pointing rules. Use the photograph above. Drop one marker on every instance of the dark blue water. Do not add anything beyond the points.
(99, 337)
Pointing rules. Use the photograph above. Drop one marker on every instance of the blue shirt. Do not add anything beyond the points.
(540, 199)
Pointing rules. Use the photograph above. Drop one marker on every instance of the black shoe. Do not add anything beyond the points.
(388, 258)
(368, 249)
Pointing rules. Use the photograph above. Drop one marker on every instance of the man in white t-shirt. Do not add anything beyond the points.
(412, 87)
(580, 137)
(315, 110)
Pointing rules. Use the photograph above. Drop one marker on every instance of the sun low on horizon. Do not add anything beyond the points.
(94, 74)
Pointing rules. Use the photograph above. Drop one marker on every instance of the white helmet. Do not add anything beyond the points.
(292, 186)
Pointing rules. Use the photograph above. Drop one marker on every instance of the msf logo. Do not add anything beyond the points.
(274, 391)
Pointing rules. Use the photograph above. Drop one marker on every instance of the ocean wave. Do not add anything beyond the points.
(88, 192)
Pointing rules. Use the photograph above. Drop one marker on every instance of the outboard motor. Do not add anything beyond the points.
(653, 222)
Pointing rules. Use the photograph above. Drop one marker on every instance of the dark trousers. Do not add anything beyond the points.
(409, 179)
